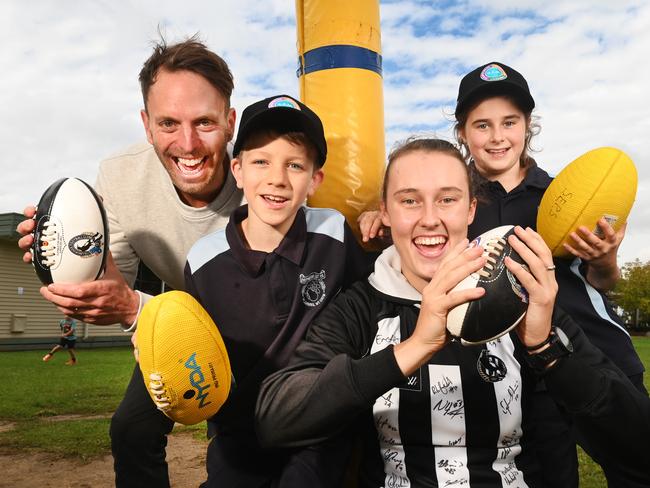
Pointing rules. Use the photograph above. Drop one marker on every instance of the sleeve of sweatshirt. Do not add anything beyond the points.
(125, 257)
(331, 378)
(612, 417)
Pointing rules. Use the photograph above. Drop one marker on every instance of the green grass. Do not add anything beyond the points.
(34, 391)
(95, 385)
(82, 438)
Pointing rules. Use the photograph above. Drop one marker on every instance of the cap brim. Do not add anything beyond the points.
(282, 120)
(526, 101)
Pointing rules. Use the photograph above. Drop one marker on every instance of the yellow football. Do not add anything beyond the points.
(600, 183)
(182, 357)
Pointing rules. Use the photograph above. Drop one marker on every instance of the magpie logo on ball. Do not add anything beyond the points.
(87, 244)
(71, 234)
(505, 301)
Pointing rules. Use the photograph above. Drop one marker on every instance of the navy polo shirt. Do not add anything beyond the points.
(498, 207)
(588, 307)
(262, 303)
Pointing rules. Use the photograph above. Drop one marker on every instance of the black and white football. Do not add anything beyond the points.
(505, 301)
(71, 234)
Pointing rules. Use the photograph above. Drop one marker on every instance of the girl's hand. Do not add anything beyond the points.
(599, 253)
(591, 247)
(430, 333)
(539, 281)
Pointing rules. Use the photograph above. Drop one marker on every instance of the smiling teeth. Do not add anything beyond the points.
(274, 198)
(430, 241)
(189, 162)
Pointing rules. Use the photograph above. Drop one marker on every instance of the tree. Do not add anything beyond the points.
(632, 292)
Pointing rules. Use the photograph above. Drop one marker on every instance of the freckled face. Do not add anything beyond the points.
(495, 134)
(189, 124)
(428, 209)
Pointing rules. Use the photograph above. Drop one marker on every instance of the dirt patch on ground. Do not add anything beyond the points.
(185, 456)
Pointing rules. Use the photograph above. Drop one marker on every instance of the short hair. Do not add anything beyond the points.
(424, 144)
(188, 55)
(294, 137)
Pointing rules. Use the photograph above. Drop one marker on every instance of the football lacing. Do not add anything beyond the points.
(157, 388)
(48, 239)
(492, 249)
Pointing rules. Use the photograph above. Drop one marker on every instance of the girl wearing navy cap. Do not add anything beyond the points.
(494, 127)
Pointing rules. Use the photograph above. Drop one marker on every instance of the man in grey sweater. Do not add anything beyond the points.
(160, 198)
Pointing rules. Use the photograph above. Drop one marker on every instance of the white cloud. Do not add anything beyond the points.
(69, 92)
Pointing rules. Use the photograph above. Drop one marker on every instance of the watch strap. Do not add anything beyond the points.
(559, 346)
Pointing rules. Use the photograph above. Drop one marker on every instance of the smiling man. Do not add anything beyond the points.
(160, 197)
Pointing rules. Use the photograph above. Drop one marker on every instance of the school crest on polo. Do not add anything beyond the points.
(313, 288)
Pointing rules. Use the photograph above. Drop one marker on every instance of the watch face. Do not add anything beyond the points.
(564, 339)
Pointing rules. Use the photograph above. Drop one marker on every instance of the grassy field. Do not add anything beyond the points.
(62, 409)
(66, 409)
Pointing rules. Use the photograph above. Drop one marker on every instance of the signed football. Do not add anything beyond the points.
(71, 234)
(505, 301)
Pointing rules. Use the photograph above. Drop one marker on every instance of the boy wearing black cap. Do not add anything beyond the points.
(264, 278)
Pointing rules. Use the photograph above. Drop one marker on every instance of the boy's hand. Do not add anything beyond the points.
(370, 225)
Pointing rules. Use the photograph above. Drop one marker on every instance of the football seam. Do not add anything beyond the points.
(501, 334)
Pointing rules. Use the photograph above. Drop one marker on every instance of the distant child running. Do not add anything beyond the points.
(263, 279)
(68, 340)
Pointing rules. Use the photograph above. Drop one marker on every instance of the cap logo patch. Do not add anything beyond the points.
(493, 72)
(284, 102)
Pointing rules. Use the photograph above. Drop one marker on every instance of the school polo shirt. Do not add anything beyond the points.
(498, 207)
(262, 303)
(587, 306)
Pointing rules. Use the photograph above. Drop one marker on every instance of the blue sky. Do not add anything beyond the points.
(70, 97)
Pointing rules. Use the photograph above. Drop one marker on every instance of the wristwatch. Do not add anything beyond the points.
(559, 346)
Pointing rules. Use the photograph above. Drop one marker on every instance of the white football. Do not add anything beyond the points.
(505, 301)
(71, 234)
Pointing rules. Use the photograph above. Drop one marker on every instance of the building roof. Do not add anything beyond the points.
(8, 223)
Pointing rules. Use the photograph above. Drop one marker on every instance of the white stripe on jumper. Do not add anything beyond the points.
(386, 413)
(508, 398)
(448, 425)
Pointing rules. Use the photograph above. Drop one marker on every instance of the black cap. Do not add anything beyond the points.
(493, 79)
(282, 113)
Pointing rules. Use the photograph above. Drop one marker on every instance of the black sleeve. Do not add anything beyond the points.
(331, 377)
(359, 263)
(189, 283)
(611, 416)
